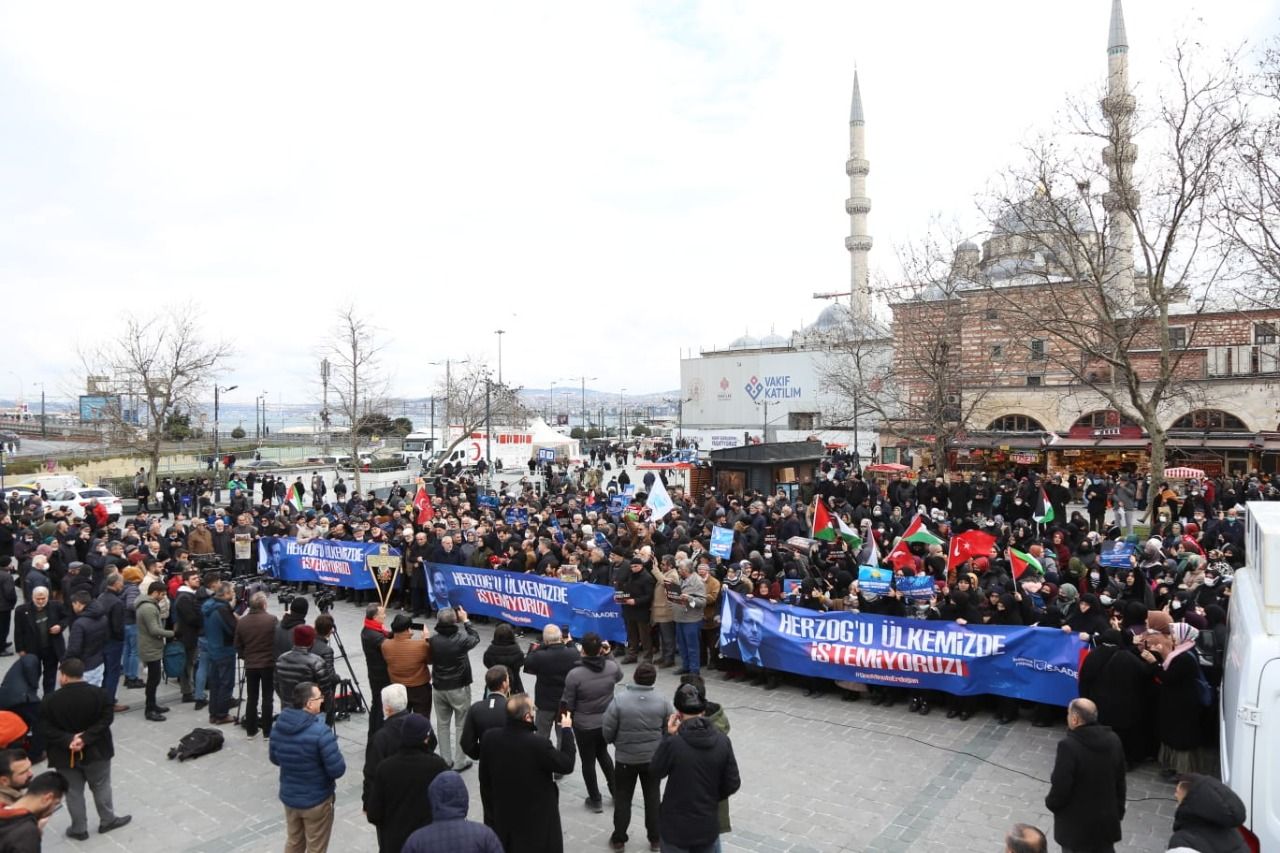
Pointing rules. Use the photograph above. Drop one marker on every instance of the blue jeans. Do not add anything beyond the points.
(202, 669)
(687, 639)
(130, 663)
(222, 678)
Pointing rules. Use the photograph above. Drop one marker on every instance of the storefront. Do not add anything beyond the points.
(994, 453)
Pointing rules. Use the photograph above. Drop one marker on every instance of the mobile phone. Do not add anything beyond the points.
(564, 709)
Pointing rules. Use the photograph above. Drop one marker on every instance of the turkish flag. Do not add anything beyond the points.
(422, 503)
(971, 543)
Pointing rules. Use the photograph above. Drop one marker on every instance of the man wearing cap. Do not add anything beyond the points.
(701, 770)
(310, 763)
(398, 803)
(407, 663)
(299, 664)
(633, 723)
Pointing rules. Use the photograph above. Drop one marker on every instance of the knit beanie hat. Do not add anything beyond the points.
(304, 636)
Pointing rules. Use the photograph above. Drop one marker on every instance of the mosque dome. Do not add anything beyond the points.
(744, 342)
(772, 340)
(835, 316)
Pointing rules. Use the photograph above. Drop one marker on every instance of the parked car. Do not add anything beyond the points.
(74, 501)
(259, 465)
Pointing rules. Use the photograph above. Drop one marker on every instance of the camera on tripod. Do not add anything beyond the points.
(324, 600)
(210, 562)
(286, 597)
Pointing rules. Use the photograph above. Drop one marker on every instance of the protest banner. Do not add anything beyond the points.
(1117, 554)
(721, 542)
(1035, 664)
(875, 580)
(517, 515)
(528, 601)
(323, 561)
(916, 587)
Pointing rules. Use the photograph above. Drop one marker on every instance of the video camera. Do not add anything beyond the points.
(324, 600)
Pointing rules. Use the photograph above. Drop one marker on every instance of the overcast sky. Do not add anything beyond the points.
(611, 183)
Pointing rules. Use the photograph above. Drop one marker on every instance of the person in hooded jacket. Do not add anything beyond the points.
(588, 690)
(398, 803)
(87, 638)
(1087, 786)
(449, 828)
(961, 607)
(698, 763)
(1208, 817)
(20, 693)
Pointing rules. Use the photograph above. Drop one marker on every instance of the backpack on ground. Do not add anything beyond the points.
(175, 659)
(346, 700)
(196, 743)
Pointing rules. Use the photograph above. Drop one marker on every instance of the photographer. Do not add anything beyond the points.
(551, 663)
(324, 630)
(372, 635)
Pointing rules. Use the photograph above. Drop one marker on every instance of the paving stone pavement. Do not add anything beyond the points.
(818, 776)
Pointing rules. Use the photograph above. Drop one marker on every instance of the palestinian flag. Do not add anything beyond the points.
(823, 527)
(849, 535)
(422, 503)
(915, 532)
(1020, 563)
(293, 498)
(1042, 512)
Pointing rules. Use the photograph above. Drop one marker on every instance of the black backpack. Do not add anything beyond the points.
(196, 743)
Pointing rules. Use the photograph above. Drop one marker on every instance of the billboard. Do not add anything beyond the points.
(99, 407)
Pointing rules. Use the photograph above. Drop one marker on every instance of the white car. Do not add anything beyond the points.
(74, 501)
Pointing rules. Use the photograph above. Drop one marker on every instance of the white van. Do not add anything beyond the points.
(1250, 730)
(54, 483)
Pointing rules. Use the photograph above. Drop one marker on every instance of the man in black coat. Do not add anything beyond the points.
(39, 628)
(383, 743)
(398, 803)
(700, 768)
(77, 727)
(487, 714)
(551, 663)
(1087, 786)
(517, 767)
(372, 636)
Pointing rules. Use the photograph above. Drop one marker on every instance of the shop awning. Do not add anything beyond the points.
(998, 442)
(1101, 443)
(1243, 442)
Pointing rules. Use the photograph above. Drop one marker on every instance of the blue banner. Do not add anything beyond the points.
(916, 587)
(1118, 554)
(874, 580)
(1035, 664)
(721, 542)
(326, 561)
(528, 601)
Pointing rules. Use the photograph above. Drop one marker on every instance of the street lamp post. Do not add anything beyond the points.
(584, 379)
(217, 456)
(552, 407)
(622, 415)
(500, 333)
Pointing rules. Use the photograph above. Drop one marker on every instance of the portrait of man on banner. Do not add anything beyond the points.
(440, 588)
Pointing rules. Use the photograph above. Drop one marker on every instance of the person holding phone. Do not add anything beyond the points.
(588, 690)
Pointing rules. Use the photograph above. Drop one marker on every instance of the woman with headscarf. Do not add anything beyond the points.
(1008, 612)
(1090, 618)
(1179, 708)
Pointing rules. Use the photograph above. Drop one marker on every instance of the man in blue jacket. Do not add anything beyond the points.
(449, 828)
(307, 753)
(219, 633)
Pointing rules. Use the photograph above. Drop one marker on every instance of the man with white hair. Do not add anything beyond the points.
(387, 739)
(39, 628)
(551, 663)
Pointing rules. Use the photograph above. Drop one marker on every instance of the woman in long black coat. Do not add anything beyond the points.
(1178, 708)
(1116, 679)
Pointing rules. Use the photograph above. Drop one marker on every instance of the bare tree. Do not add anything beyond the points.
(1252, 198)
(356, 379)
(1100, 309)
(152, 372)
(920, 386)
(474, 397)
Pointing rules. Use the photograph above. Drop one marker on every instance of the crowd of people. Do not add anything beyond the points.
(120, 603)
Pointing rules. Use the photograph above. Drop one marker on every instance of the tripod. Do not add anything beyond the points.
(362, 706)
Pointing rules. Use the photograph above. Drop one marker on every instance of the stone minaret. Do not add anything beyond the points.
(857, 206)
(1119, 157)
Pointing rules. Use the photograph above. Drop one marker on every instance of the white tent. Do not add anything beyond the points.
(546, 437)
